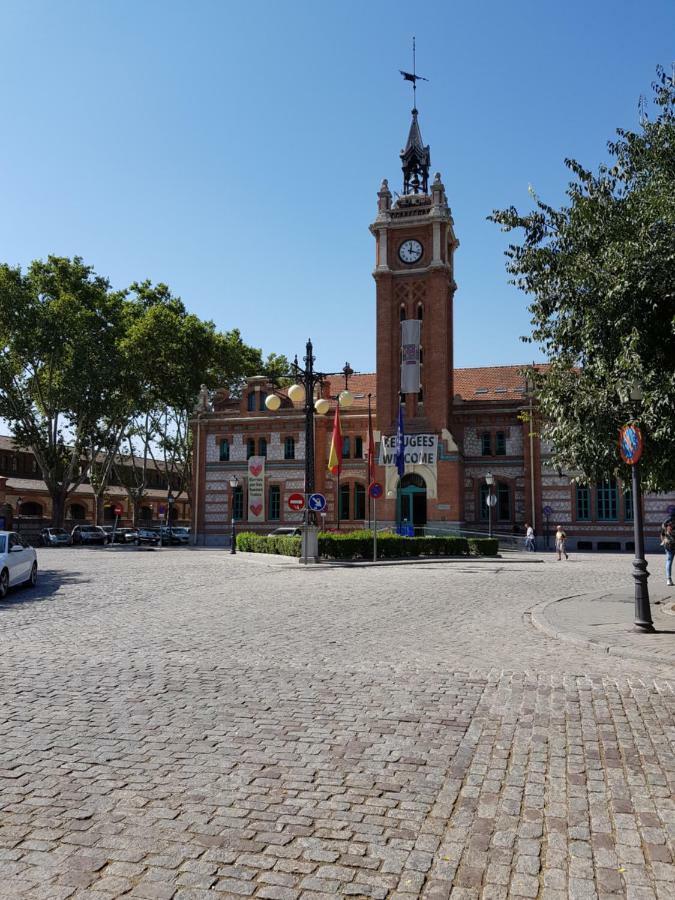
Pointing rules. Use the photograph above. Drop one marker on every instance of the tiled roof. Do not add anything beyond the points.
(490, 382)
(23, 485)
(7, 443)
(359, 387)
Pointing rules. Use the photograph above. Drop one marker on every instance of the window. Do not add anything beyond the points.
(421, 356)
(262, 447)
(251, 402)
(274, 503)
(345, 448)
(583, 502)
(500, 444)
(344, 501)
(262, 396)
(402, 313)
(503, 502)
(77, 511)
(358, 448)
(238, 502)
(420, 396)
(420, 311)
(359, 501)
(224, 450)
(250, 448)
(289, 448)
(486, 444)
(607, 500)
(628, 504)
(483, 512)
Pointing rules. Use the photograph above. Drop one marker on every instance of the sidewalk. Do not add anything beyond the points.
(604, 622)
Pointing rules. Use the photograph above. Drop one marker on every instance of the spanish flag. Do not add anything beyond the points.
(335, 456)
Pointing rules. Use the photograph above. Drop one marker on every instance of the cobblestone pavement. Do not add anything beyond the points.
(186, 724)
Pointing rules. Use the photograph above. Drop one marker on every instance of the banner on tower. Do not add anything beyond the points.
(418, 450)
(410, 356)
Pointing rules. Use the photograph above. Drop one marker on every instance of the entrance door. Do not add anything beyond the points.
(412, 502)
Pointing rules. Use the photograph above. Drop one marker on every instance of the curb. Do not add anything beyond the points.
(537, 618)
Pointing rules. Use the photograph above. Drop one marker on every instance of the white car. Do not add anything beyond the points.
(18, 562)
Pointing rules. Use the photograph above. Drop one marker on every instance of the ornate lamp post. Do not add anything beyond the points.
(489, 480)
(234, 483)
(307, 380)
(630, 445)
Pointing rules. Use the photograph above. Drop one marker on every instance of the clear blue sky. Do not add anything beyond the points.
(234, 150)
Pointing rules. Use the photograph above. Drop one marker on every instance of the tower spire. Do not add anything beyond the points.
(416, 157)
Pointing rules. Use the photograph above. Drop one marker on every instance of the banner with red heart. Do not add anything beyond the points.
(256, 489)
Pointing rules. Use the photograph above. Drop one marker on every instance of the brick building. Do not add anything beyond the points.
(460, 424)
(20, 480)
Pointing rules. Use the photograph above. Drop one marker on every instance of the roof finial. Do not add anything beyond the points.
(414, 77)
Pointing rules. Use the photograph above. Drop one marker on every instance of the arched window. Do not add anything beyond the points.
(402, 313)
(238, 502)
(224, 450)
(77, 511)
(30, 508)
(420, 311)
(344, 501)
(503, 502)
(345, 447)
(274, 504)
(108, 514)
(261, 401)
(262, 447)
(420, 396)
(359, 501)
(289, 448)
(250, 448)
(251, 402)
(358, 448)
(146, 514)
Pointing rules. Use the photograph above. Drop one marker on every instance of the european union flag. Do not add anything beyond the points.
(399, 446)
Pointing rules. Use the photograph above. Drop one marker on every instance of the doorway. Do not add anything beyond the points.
(412, 503)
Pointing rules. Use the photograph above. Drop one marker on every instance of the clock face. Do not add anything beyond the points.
(410, 251)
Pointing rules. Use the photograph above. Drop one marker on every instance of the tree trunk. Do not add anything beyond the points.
(58, 508)
(98, 509)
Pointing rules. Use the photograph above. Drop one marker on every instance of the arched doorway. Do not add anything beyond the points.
(77, 512)
(412, 501)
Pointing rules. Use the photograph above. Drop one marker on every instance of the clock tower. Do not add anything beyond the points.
(415, 245)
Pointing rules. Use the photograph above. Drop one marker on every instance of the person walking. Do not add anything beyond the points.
(529, 538)
(561, 542)
(668, 544)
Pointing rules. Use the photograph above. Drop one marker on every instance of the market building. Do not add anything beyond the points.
(469, 440)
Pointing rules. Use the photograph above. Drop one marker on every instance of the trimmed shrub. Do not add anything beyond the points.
(281, 545)
(359, 545)
(483, 546)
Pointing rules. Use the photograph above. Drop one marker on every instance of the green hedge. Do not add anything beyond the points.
(281, 545)
(359, 545)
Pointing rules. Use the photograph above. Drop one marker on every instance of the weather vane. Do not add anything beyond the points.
(414, 77)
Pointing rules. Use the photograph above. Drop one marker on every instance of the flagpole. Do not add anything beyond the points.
(370, 464)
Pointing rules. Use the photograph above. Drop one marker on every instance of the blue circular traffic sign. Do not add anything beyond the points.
(316, 502)
(375, 490)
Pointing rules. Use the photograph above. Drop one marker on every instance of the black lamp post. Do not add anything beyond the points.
(489, 480)
(643, 613)
(234, 484)
(170, 501)
(19, 501)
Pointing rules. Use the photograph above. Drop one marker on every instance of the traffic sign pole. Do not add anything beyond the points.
(374, 530)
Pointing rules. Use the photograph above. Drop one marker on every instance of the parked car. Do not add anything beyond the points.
(55, 537)
(108, 532)
(183, 534)
(285, 531)
(126, 536)
(147, 536)
(175, 536)
(18, 562)
(89, 534)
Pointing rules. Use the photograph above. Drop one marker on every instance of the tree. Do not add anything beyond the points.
(601, 275)
(60, 385)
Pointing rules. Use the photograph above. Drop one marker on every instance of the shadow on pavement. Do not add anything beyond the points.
(49, 581)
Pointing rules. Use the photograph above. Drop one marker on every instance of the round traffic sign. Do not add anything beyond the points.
(630, 443)
(316, 502)
(491, 499)
(118, 509)
(375, 490)
(548, 511)
(296, 502)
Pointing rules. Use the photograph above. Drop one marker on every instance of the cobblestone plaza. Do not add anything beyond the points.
(188, 724)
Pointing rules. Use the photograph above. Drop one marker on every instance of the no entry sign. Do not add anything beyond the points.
(296, 502)
(117, 509)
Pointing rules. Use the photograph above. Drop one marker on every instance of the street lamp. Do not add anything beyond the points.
(489, 480)
(307, 380)
(234, 484)
(19, 501)
(643, 613)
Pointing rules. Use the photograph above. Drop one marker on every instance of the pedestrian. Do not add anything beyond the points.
(668, 544)
(529, 538)
(561, 542)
